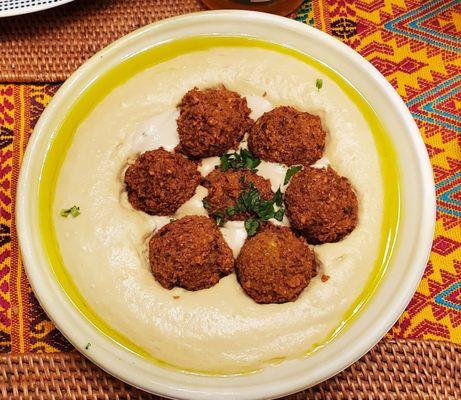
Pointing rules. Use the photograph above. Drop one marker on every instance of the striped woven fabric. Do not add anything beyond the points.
(415, 44)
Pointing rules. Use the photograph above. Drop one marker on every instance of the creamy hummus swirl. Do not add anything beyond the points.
(218, 330)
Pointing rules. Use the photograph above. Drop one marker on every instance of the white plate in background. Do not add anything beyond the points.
(9, 8)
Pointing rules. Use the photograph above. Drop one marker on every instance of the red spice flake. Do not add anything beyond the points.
(324, 277)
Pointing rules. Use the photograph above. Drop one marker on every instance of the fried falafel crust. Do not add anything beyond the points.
(224, 188)
(288, 136)
(159, 182)
(321, 205)
(275, 265)
(211, 122)
(190, 253)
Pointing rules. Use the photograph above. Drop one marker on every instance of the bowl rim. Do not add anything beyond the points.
(113, 362)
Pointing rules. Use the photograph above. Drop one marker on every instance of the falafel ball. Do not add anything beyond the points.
(321, 204)
(224, 188)
(288, 136)
(211, 121)
(275, 265)
(190, 253)
(159, 182)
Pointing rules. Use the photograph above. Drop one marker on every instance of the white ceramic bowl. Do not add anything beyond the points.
(387, 303)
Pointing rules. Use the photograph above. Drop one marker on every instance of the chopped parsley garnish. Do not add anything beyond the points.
(291, 171)
(279, 214)
(206, 204)
(74, 211)
(219, 219)
(250, 201)
(319, 84)
(225, 162)
(278, 198)
(251, 226)
(239, 160)
(262, 210)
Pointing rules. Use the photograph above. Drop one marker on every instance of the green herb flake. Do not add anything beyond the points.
(279, 214)
(265, 210)
(230, 211)
(254, 163)
(249, 160)
(278, 200)
(224, 162)
(251, 198)
(244, 155)
(239, 160)
(240, 205)
(74, 211)
(88, 345)
(318, 84)
(291, 171)
(251, 226)
(206, 204)
(250, 201)
(219, 219)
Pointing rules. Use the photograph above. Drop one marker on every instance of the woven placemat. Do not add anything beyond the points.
(394, 369)
(48, 46)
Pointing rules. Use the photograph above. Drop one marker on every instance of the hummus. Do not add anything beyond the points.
(217, 330)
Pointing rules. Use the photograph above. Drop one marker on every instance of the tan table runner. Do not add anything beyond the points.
(416, 44)
(396, 369)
